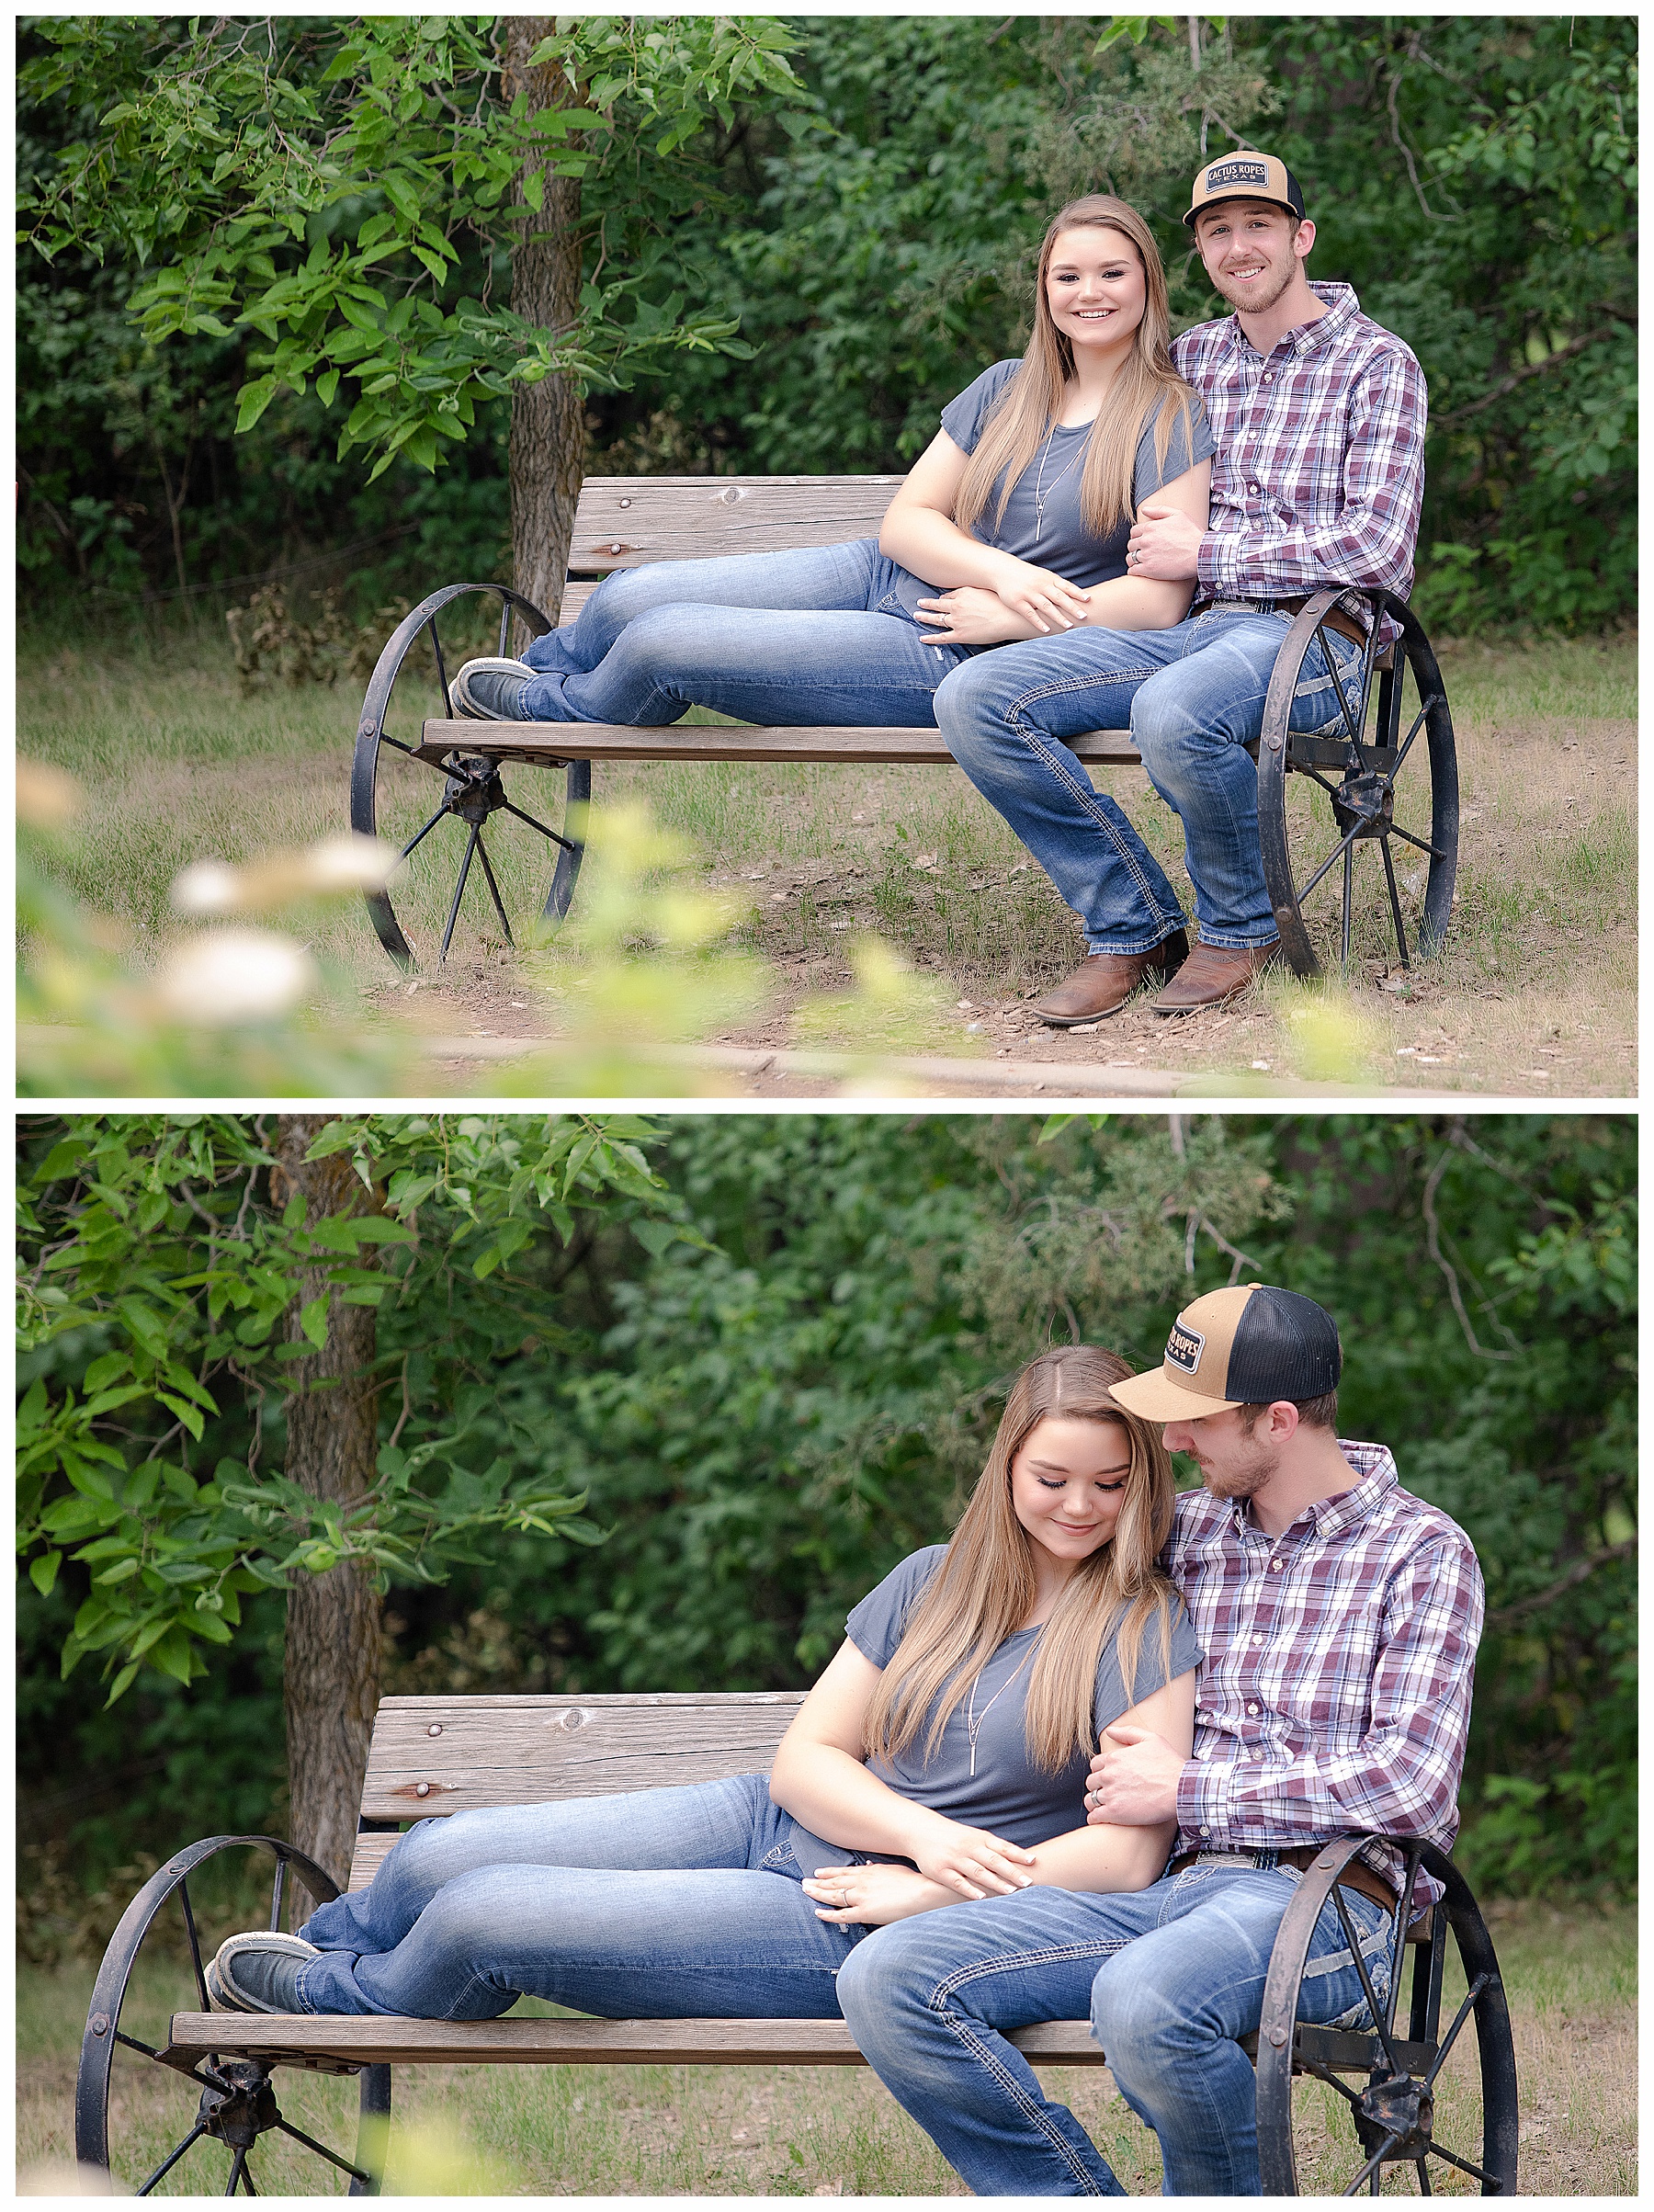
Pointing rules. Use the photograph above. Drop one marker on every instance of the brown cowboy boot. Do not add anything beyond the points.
(1213, 974)
(1105, 980)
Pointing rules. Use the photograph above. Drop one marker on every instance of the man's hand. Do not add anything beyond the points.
(1133, 1780)
(1164, 544)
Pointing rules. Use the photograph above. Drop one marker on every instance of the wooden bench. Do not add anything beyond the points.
(633, 522)
(432, 1757)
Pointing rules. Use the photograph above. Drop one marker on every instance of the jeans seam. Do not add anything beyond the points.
(1087, 799)
(1009, 1962)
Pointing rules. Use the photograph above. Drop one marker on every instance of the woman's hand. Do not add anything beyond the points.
(873, 1896)
(972, 616)
(969, 1861)
(1040, 597)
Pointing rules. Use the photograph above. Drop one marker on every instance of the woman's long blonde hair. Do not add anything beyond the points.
(1032, 401)
(985, 1587)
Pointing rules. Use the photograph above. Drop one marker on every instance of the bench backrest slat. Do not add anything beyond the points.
(654, 519)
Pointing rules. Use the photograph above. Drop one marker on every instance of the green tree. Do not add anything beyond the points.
(170, 1265)
(338, 188)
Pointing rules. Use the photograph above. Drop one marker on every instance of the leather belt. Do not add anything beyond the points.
(1357, 1876)
(1335, 618)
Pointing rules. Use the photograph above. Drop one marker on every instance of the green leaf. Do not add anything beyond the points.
(313, 1322)
(123, 1683)
(43, 1571)
(251, 402)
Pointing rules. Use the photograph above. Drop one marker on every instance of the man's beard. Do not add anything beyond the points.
(1255, 302)
(1244, 1478)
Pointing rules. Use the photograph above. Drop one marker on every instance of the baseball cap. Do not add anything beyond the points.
(1245, 175)
(1245, 1346)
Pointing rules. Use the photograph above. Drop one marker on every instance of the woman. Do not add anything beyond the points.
(1013, 524)
(943, 1753)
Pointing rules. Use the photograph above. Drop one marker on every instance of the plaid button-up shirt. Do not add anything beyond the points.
(1336, 1695)
(1319, 468)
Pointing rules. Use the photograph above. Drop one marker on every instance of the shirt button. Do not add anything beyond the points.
(1275, 1566)
(1257, 1639)
(1251, 1708)
(1251, 487)
(1205, 1831)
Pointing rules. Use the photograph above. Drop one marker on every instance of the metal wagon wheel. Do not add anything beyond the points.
(1407, 2113)
(236, 2100)
(435, 809)
(1391, 787)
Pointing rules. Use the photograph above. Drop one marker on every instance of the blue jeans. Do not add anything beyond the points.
(812, 639)
(1171, 1976)
(1194, 697)
(661, 1904)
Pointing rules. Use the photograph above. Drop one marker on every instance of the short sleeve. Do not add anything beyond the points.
(1190, 442)
(965, 417)
(1113, 1697)
(877, 1624)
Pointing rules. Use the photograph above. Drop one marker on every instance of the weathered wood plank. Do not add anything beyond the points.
(632, 521)
(448, 1755)
(545, 743)
(365, 2041)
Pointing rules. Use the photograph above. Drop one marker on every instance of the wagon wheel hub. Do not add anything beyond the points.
(239, 2114)
(1364, 805)
(473, 790)
(1397, 2108)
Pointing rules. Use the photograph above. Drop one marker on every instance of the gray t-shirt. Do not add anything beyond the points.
(1063, 541)
(1008, 1793)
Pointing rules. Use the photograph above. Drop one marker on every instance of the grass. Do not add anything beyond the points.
(1534, 994)
(672, 2131)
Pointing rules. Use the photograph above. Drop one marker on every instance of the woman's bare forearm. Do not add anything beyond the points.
(1130, 603)
(1103, 1858)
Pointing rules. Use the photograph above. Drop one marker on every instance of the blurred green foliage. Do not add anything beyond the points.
(765, 1420)
(1472, 175)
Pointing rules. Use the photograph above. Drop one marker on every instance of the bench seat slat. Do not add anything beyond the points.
(548, 742)
(376, 2040)
(706, 518)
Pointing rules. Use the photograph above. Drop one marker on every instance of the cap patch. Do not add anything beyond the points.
(1183, 1348)
(1236, 173)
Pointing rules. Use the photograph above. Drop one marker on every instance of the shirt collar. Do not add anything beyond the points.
(1376, 1476)
(1342, 306)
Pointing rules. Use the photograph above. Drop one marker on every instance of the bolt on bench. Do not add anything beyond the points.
(434, 784)
(434, 1756)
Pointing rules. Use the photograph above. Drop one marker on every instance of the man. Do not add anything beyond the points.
(1340, 1616)
(1319, 416)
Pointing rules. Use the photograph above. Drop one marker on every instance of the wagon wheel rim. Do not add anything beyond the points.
(462, 801)
(237, 2102)
(1368, 763)
(1394, 2116)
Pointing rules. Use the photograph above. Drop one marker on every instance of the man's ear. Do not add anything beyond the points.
(1303, 241)
(1283, 1420)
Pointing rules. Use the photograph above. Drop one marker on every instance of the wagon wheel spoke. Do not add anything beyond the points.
(1459, 2018)
(504, 626)
(132, 2043)
(1462, 2164)
(247, 2175)
(1330, 862)
(1349, 908)
(566, 844)
(448, 934)
(1353, 727)
(1395, 900)
(1423, 2170)
(1315, 775)
(278, 1885)
(1374, 2006)
(494, 891)
(195, 1948)
(1373, 2165)
(1325, 2073)
(448, 704)
(167, 2164)
(1407, 838)
(418, 836)
(237, 2166)
(1406, 746)
(1404, 1908)
(309, 2142)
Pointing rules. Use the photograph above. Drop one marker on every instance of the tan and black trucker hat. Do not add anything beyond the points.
(1246, 176)
(1245, 1347)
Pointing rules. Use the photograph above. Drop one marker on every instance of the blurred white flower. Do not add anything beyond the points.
(207, 886)
(236, 975)
(351, 863)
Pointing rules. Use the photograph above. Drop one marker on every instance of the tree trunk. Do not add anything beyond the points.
(332, 1672)
(548, 419)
